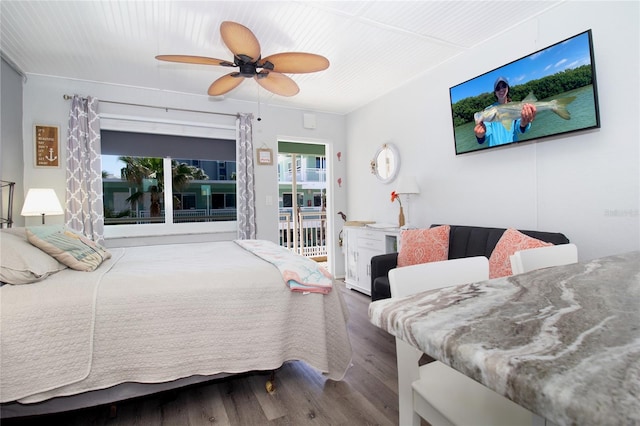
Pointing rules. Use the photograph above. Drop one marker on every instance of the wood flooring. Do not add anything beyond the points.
(366, 396)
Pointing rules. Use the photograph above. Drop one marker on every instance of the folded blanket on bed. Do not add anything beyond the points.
(299, 273)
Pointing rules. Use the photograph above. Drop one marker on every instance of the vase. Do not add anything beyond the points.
(401, 218)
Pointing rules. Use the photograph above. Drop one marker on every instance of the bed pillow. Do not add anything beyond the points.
(21, 262)
(511, 241)
(69, 247)
(424, 245)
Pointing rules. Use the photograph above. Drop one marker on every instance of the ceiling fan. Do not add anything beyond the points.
(268, 72)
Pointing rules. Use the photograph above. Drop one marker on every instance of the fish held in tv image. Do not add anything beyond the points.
(507, 113)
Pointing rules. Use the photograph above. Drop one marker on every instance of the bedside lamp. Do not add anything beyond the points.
(408, 186)
(41, 202)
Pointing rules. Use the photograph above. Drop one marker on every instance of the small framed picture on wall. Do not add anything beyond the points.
(265, 156)
(47, 145)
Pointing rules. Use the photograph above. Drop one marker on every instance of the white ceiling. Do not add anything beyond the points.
(373, 46)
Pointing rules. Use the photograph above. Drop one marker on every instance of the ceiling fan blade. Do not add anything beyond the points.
(277, 83)
(295, 62)
(240, 40)
(187, 59)
(225, 84)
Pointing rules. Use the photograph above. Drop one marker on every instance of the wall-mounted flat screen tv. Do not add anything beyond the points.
(494, 109)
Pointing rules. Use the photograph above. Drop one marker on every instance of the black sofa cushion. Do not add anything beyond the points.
(464, 241)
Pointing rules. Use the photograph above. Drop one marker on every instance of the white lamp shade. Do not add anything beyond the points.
(407, 185)
(41, 201)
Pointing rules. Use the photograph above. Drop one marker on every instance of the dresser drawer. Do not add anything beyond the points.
(373, 241)
(371, 235)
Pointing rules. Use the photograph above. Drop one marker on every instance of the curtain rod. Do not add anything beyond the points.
(67, 97)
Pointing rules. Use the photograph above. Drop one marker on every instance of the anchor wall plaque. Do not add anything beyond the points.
(47, 145)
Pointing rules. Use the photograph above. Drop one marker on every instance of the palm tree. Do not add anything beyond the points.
(137, 169)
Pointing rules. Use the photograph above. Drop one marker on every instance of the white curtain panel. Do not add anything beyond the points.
(245, 193)
(84, 205)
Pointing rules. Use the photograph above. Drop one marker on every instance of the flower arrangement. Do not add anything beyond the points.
(395, 196)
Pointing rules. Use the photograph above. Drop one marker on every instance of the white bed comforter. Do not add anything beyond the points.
(158, 313)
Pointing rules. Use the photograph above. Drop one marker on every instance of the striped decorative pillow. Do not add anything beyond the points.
(68, 247)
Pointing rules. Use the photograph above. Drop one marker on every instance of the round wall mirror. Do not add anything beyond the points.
(386, 163)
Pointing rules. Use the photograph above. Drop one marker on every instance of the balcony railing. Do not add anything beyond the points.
(306, 235)
(179, 216)
(306, 175)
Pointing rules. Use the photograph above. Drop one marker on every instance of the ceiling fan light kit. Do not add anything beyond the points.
(268, 72)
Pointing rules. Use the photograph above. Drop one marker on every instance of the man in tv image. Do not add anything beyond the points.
(496, 125)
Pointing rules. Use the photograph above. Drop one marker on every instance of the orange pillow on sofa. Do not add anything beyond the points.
(511, 241)
(424, 245)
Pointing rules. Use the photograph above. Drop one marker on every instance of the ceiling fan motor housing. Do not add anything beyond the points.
(247, 69)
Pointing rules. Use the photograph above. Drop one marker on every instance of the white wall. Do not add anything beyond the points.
(585, 185)
(44, 104)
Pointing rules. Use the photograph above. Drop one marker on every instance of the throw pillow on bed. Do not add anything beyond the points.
(73, 249)
(22, 263)
(424, 245)
(511, 241)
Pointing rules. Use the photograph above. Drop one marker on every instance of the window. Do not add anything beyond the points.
(165, 179)
(287, 199)
(318, 199)
(186, 201)
(230, 200)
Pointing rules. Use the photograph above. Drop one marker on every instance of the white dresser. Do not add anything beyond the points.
(361, 243)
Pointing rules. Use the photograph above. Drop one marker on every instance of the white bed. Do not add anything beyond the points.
(170, 314)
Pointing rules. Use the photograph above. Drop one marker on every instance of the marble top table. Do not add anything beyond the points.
(563, 342)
